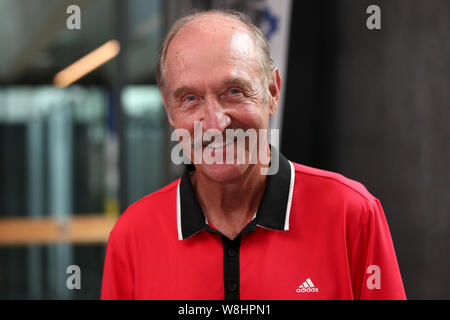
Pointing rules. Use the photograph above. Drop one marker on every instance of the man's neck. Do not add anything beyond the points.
(230, 207)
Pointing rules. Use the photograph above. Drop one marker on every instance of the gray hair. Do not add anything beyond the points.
(256, 34)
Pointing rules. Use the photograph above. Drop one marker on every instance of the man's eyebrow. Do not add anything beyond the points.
(239, 82)
(178, 93)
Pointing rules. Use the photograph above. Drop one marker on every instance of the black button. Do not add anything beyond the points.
(232, 286)
(231, 252)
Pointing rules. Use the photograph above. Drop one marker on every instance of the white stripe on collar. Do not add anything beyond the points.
(291, 192)
(180, 233)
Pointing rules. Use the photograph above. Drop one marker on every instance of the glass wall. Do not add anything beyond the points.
(72, 158)
(145, 141)
(55, 164)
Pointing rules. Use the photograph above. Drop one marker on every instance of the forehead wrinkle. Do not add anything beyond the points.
(188, 68)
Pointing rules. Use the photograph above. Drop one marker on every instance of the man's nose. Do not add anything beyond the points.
(215, 116)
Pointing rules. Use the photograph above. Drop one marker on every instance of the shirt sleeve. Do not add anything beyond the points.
(374, 268)
(117, 281)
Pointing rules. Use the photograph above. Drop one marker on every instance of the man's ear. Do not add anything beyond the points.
(274, 91)
(166, 107)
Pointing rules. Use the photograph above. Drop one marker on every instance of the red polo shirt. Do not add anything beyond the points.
(316, 235)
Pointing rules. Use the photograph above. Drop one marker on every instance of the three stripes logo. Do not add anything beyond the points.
(307, 286)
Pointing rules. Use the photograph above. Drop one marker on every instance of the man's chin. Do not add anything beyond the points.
(222, 172)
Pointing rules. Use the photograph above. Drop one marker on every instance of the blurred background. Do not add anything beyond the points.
(371, 104)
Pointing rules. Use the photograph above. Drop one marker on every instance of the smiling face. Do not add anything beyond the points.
(214, 75)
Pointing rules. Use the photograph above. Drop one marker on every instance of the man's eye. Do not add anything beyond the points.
(235, 91)
(189, 98)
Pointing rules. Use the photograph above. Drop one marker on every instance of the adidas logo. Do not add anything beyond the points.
(307, 286)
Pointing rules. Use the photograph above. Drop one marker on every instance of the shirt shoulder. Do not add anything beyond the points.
(331, 179)
(148, 211)
(334, 193)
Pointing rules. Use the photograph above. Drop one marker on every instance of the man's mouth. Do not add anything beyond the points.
(219, 144)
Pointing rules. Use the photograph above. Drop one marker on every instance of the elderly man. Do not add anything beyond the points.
(226, 230)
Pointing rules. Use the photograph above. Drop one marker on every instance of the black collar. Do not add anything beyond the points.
(273, 211)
